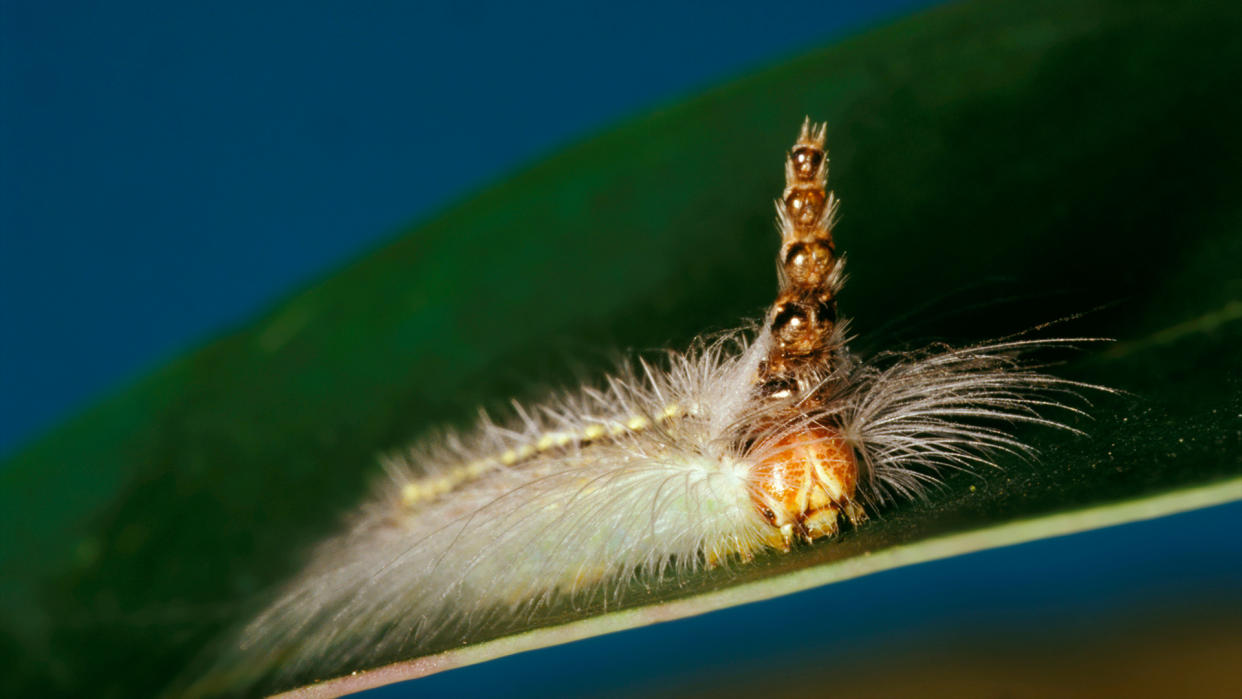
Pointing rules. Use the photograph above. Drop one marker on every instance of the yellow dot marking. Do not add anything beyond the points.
(427, 489)
(411, 493)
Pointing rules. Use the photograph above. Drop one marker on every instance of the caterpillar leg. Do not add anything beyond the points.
(827, 521)
(742, 550)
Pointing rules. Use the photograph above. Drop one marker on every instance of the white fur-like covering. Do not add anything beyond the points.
(589, 518)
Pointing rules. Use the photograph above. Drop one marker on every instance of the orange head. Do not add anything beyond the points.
(803, 482)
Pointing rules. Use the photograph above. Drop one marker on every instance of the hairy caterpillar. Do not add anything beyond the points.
(752, 441)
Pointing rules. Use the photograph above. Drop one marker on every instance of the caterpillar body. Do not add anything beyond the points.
(756, 440)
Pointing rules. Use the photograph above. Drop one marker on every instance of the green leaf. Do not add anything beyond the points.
(1013, 162)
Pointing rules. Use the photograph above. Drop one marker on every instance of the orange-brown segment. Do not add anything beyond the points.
(805, 205)
(804, 482)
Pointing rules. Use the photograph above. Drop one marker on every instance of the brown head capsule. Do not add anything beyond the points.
(803, 482)
(805, 206)
(801, 325)
(804, 162)
(809, 264)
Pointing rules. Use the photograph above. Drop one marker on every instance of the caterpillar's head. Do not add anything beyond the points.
(802, 482)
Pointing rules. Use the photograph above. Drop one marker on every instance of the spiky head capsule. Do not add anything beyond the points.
(809, 264)
(803, 318)
(805, 206)
(801, 325)
(805, 162)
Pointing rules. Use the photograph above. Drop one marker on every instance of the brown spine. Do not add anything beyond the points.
(803, 318)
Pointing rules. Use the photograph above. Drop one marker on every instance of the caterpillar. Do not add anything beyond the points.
(762, 439)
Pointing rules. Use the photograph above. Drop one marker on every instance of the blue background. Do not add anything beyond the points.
(169, 169)
(1046, 600)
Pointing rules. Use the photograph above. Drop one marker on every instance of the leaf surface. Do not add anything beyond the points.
(999, 166)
